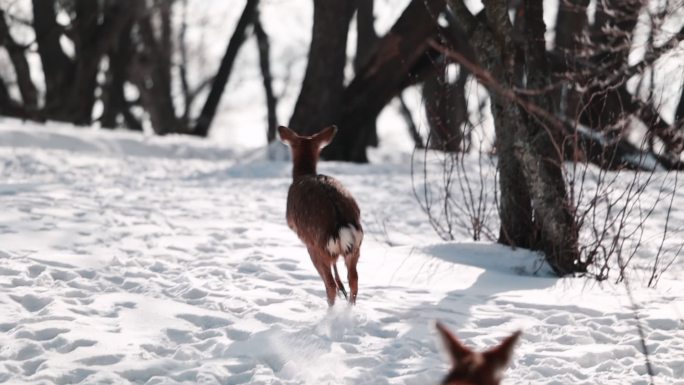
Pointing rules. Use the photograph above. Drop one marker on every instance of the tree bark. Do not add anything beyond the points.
(610, 38)
(57, 67)
(679, 113)
(366, 37)
(113, 97)
(571, 27)
(446, 110)
(206, 117)
(535, 211)
(150, 71)
(94, 40)
(9, 107)
(265, 64)
(29, 94)
(559, 236)
(401, 58)
(515, 210)
(320, 99)
(366, 40)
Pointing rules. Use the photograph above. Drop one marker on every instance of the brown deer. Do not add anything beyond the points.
(323, 213)
(476, 368)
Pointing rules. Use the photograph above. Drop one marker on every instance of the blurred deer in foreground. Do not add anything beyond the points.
(322, 213)
(476, 368)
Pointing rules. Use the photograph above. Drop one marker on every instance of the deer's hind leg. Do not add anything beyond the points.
(340, 285)
(322, 265)
(351, 260)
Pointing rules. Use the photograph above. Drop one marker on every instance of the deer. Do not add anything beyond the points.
(476, 368)
(322, 213)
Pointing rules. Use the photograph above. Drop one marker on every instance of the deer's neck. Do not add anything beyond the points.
(303, 167)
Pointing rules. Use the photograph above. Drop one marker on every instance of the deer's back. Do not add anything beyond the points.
(318, 206)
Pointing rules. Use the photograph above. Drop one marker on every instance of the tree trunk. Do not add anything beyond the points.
(265, 64)
(553, 216)
(515, 210)
(366, 39)
(150, 71)
(320, 100)
(71, 83)
(610, 37)
(8, 107)
(206, 117)
(679, 113)
(29, 94)
(57, 67)
(571, 26)
(113, 97)
(535, 211)
(401, 58)
(446, 110)
(571, 23)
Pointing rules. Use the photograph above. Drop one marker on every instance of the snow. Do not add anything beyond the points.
(127, 259)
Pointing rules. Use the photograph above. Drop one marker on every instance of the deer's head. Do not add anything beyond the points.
(306, 149)
(476, 368)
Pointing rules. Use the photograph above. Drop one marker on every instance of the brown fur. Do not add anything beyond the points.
(318, 207)
(476, 368)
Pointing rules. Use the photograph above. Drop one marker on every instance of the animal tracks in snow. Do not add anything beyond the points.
(126, 269)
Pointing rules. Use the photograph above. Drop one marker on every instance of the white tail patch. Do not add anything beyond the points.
(348, 239)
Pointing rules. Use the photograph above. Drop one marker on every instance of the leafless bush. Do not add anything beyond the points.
(453, 188)
(620, 214)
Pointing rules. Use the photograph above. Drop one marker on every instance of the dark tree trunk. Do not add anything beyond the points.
(571, 23)
(535, 210)
(446, 110)
(113, 97)
(366, 39)
(553, 216)
(151, 72)
(8, 107)
(94, 38)
(265, 64)
(206, 117)
(29, 94)
(679, 113)
(81, 93)
(401, 58)
(57, 67)
(515, 210)
(610, 37)
(71, 84)
(571, 26)
(320, 99)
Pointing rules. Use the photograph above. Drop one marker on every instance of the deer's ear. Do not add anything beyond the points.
(287, 136)
(326, 136)
(501, 355)
(454, 348)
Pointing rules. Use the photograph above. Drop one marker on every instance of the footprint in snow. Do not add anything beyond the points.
(205, 322)
(107, 359)
(41, 335)
(31, 367)
(74, 376)
(31, 302)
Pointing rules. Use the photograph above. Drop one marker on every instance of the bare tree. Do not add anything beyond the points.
(320, 99)
(219, 83)
(399, 59)
(265, 64)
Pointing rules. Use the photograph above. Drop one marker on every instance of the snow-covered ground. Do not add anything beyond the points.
(126, 259)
